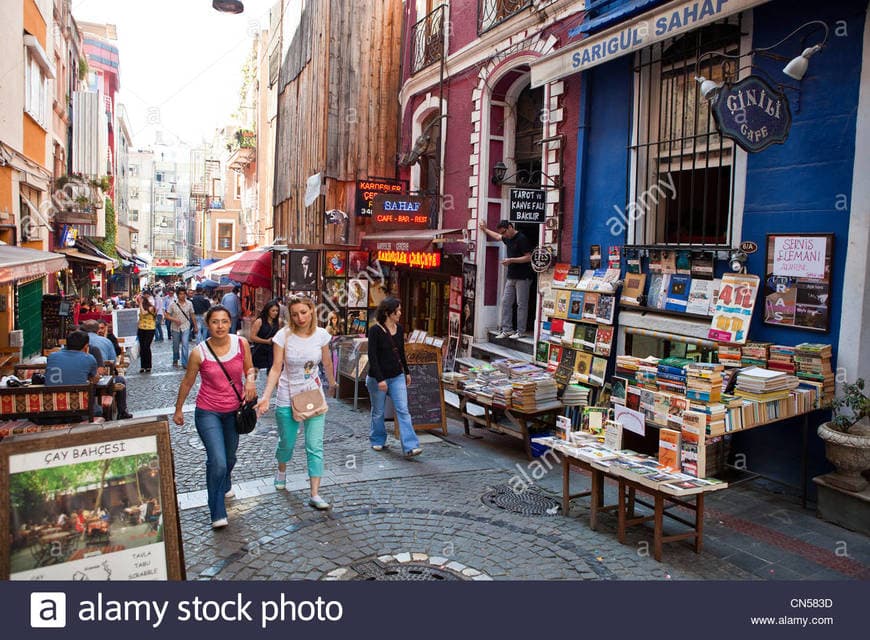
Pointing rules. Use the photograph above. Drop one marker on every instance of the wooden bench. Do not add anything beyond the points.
(35, 402)
(105, 389)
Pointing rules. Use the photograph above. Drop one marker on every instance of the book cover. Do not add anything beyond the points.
(595, 256)
(734, 305)
(568, 330)
(632, 288)
(590, 306)
(583, 364)
(618, 389)
(564, 370)
(542, 352)
(554, 357)
(700, 293)
(702, 265)
(714, 296)
(614, 257)
(669, 261)
(669, 449)
(562, 299)
(678, 292)
(599, 369)
(692, 444)
(684, 262)
(612, 435)
(575, 305)
(548, 303)
(632, 260)
(632, 398)
(658, 286)
(560, 271)
(655, 261)
(603, 340)
(605, 309)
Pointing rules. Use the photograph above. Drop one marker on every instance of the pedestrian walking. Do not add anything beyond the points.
(264, 328)
(223, 363)
(201, 304)
(232, 302)
(180, 314)
(519, 278)
(389, 374)
(145, 330)
(159, 308)
(299, 349)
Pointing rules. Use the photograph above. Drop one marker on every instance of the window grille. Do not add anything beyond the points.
(682, 171)
(491, 13)
(428, 38)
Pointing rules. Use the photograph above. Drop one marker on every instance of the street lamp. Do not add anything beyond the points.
(228, 6)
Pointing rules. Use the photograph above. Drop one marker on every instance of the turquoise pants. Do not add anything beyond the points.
(288, 428)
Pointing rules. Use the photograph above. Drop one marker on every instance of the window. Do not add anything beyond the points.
(238, 181)
(134, 215)
(430, 159)
(225, 236)
(683, 171)
(493, 12)
(36, 73)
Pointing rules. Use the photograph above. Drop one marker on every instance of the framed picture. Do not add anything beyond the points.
(96, 503)
(453, 322)
(377, 292)
(335, 264)
(357, 321)
(358, 262)
(335, 292)
(797, 283)
(358, 293)
(303, 270)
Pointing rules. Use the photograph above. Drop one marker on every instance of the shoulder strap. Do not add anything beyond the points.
(392, 344)
(221, 364)
(180, 308)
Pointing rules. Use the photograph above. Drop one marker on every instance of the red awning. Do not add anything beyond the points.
(253, 268)
(406, 240)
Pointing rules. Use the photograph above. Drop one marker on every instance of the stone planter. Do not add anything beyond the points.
(850, 454)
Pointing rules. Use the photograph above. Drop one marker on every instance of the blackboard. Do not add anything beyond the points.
(425, 396)
(125, 323)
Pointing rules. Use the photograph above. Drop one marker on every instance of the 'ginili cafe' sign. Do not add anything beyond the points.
(667, 21)
(753, 114)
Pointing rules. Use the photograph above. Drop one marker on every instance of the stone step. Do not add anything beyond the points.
(490, 351)
(526, 344)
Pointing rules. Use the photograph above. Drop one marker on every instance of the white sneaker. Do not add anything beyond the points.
(501, 334)
(229, 495)
(516, 335)
(220, 523)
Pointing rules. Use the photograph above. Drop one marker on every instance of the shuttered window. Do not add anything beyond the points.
(30, 316)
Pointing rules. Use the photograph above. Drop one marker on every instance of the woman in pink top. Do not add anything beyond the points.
(216, 403)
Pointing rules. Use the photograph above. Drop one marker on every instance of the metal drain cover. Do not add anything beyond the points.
(527, 503)
(401, 571)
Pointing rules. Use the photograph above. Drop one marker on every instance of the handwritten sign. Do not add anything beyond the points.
(125, 323)
(528, 206)
(630, 419)
(799, 256)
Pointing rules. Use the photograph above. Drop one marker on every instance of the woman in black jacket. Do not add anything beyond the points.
(388, 373)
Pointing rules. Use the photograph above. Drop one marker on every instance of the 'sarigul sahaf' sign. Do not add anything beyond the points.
(752, 113)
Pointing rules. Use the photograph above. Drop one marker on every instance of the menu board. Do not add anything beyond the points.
(797, 285)
(425, 397)
(125, 323)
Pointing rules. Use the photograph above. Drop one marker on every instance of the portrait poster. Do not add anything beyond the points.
(336, 264)
(377, 292)
(95, 504)
(304, 270)
(455, 293)
(469, 280)
(797, 284)
(357, 321)
(450, 357)
(358, 293)
(335, 292)
(357, 264)
(453, 321)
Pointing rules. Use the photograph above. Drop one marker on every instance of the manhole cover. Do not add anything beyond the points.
(394, 571)
(527, 503)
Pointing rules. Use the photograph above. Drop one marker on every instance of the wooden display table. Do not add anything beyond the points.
(542, 415)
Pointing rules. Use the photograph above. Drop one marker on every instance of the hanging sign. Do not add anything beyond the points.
(528, 205)
(542, 258)
(366, 190)
(753, 114)
(400, 212)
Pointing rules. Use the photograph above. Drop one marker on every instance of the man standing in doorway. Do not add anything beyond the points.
(234, 304)
(519, 277)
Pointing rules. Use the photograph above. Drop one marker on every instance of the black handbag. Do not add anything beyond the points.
(246, 414)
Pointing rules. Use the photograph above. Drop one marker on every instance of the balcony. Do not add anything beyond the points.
(76, 200)
(428, 38)
(491, 13)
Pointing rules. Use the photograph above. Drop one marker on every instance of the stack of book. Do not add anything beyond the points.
(647, 372)
(671, 375)
(576, 394)
(534, 390)
(763, 385)
(813, 362)
(781, 358)
(626, 367)
(755, 354)
(730, 355)
(704, 382)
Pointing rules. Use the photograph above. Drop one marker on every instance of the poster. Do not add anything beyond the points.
(469, 279)
(455, 293)
(797, 285)
(733, 311)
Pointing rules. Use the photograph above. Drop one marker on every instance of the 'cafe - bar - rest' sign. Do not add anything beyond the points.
(753, 114)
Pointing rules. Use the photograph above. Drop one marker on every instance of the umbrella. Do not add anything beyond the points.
(208, 283)
(253, 268)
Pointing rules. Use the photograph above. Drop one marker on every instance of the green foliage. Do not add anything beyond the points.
(107, 244)
(850, 406)
(83, 68)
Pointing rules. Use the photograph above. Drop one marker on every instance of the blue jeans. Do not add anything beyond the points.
(201, 329)
(234, 326)
(398, 391)
(288, 429)
(218, 433)
(180, 344)
(158, 328)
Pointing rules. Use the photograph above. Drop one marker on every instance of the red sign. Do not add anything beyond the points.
(400, 212)
(416, 259)
(366, 190)
(167, 262)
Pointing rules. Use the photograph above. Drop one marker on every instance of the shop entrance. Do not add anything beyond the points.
(425, 300)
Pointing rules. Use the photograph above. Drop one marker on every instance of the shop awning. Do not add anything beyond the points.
(89, 247)
(221, 268)
(638, 32)
(80, 256)
(406, 239)
(253, 268)
(20, 263)
(166, 271)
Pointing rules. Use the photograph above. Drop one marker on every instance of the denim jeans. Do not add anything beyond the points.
(158, 328)
(201, 329)
(218, 433)
(180, 345)
(288, 429)
(515, 291)
(398, 391)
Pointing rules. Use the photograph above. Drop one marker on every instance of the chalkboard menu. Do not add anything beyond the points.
(425, 397)
(124, 323)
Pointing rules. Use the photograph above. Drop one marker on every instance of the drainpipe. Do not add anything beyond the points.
(582, 162)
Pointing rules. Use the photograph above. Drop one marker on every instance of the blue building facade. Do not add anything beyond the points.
(812, 183)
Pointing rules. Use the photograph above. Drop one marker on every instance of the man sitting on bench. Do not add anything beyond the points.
(73, 364)
(104, 346)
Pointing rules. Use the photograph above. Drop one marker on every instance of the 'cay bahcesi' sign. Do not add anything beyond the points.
(753, 114)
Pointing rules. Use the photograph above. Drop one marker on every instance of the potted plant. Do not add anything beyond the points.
(847, 438)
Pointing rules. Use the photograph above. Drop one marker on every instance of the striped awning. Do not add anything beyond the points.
(20, 263)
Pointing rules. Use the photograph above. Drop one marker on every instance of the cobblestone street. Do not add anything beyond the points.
(436, 513)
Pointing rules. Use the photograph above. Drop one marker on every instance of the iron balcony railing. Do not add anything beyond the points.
(491, 13)
(428, 38)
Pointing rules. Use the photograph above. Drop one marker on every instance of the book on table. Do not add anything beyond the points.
(669, 449)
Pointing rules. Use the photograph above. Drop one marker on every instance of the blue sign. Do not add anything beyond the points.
(752, 114)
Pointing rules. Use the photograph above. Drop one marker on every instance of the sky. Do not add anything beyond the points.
(180, 62)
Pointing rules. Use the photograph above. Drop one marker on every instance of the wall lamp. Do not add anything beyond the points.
(737, 260)
(523, 178)
(228, 6)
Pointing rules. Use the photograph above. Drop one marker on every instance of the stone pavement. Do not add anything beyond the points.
(442, 515)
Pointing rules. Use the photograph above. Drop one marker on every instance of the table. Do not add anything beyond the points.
(521, 418)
